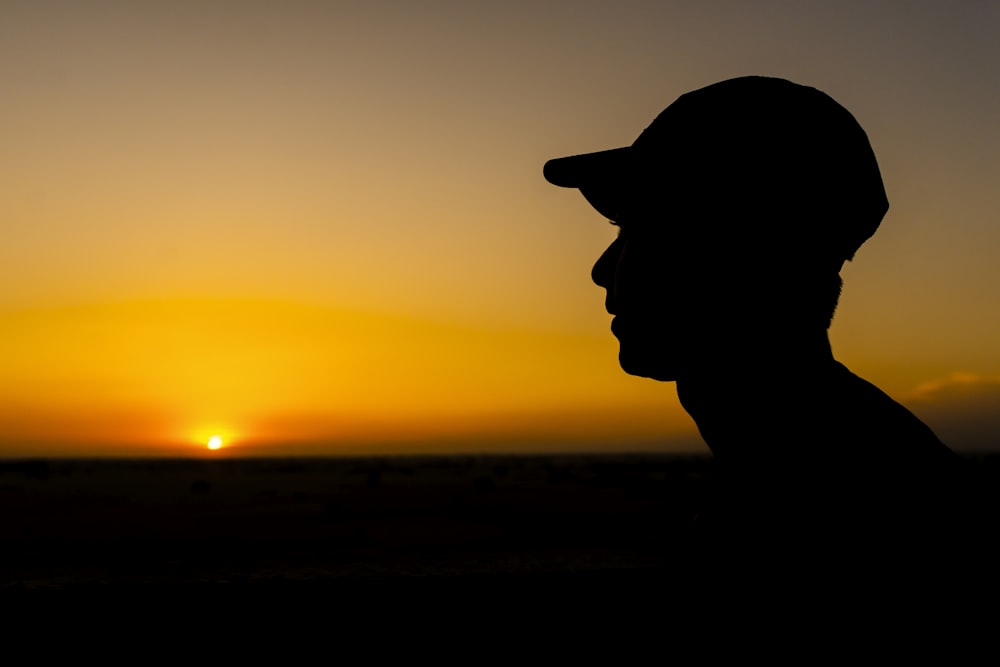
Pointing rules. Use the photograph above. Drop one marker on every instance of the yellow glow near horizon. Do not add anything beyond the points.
(215, 442)
(254, 372)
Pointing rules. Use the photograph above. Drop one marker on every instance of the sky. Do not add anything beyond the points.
(321, 227)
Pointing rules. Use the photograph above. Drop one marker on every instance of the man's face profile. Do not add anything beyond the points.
(643, 350)
(659, 281)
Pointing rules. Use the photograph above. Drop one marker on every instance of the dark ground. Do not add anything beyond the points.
(616, 536)
(78, 525)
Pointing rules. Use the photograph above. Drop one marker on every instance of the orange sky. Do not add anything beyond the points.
(322, 228)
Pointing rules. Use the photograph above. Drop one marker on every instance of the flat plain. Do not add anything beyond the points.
(585, 536)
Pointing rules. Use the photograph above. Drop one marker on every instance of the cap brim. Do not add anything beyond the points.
(577, 170)
(599, 177)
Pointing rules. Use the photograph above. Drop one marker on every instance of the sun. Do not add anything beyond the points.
(215, 442)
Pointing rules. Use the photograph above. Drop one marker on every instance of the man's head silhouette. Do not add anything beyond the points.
(737, 207)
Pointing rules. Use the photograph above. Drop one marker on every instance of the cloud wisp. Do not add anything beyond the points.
(963, 408)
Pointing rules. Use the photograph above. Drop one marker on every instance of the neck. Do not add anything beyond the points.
(748, 392)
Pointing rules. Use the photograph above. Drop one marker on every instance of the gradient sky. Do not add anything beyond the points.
(321, 227)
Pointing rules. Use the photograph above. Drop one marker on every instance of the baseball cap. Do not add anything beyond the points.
(789, 154)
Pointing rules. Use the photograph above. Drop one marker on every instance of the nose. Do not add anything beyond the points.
(603, 273)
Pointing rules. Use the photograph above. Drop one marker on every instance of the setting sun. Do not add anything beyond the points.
(215, 442)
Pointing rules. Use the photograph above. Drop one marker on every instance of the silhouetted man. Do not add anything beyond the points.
(736, 209)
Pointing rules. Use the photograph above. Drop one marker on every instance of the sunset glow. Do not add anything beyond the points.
(322, 228)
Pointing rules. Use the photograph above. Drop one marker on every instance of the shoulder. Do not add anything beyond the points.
(881, 424)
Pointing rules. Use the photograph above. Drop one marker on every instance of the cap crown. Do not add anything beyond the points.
(766, 161)
(788, 153)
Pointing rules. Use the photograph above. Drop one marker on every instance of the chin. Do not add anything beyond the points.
(647, 366)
